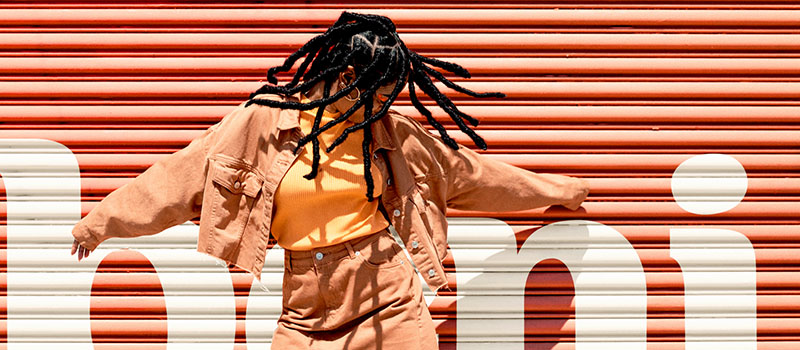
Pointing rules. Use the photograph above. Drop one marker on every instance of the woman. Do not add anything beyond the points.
(347, 283)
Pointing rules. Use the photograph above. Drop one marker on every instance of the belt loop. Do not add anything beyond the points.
(350, 249)
(287, 259)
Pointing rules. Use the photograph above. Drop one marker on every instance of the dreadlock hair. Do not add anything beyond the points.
(371, 45)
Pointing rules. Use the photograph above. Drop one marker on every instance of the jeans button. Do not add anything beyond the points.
(396, 212)
(319, 256)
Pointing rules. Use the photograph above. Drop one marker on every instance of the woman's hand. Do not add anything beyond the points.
(580, 190)
(82, 252)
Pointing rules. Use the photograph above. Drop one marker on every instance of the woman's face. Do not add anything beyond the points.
(343, 104)
(381, 96)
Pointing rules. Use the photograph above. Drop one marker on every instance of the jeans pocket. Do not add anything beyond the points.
(383, 253)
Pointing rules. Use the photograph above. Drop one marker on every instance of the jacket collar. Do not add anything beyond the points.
(381, 138)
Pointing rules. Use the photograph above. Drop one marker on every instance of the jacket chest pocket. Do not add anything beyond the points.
(230, 197)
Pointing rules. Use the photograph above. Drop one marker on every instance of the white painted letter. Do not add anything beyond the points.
(610, 291)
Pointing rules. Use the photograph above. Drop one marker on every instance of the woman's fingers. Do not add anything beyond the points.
(82, 252)
(579, 190)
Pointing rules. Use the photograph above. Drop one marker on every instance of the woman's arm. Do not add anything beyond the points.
(476, 182)
(168, 193)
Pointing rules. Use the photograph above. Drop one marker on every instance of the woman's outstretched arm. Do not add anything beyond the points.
(476, 182)
(168, 193)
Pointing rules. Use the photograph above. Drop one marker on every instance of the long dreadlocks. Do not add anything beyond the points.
(371, 45)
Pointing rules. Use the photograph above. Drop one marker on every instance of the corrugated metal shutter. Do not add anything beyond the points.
(672, 110)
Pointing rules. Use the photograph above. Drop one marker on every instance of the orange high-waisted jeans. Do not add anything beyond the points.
(360, 294)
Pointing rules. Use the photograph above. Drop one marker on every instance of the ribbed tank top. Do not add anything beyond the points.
(332, 207)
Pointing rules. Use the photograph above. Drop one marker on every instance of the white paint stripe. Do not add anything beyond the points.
(709, 184)
(583, 255)
(265, 303)
(179, 329)
(700, 328)
(20, 160)
(185, 307)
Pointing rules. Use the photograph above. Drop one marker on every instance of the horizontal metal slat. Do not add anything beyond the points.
(515, 115)
(545, 283)
(172, 90)
(447, 4)
(539, 306)
(598, 186)
(747, 211)
(405, 17)
(641, 236)
(664, 163)
(654, 260)
(497, 138)
(765, 212)
(534, 42)
(536, 307)
(187, 66)
(564, 330)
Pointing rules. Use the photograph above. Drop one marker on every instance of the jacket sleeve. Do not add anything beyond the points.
(476, 182)
(168, 193)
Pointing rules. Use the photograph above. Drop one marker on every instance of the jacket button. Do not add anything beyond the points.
(237, 184)
(396, 212)
(431, 273)
(318, 256)
(389, 182)
(414, 244)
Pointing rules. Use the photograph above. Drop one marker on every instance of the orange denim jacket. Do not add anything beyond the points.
(228, 176)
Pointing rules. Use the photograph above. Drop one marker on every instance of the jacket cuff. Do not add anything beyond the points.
(85, 237)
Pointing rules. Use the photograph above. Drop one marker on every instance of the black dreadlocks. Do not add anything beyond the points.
(371, 45)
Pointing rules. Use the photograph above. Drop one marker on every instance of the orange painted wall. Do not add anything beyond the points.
(621, 93)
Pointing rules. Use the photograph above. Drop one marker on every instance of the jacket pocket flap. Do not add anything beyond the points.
(236, 180)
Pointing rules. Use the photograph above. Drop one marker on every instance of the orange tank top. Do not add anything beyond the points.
(332, 207)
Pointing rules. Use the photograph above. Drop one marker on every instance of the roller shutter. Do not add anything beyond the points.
(683, 116)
